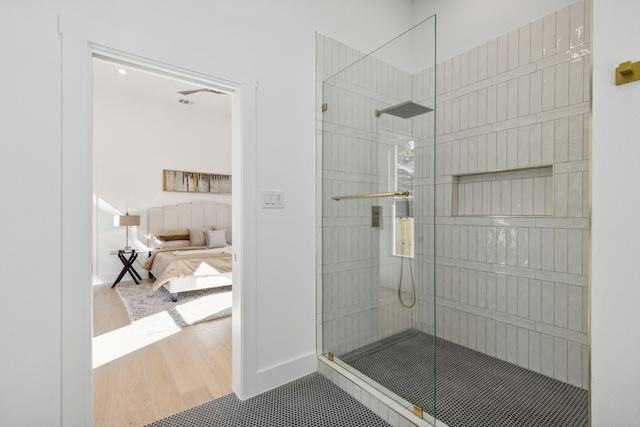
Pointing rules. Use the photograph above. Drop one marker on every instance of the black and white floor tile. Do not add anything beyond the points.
(311, 401)
(470, 389)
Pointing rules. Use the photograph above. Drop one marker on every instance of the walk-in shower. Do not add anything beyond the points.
(454, 225)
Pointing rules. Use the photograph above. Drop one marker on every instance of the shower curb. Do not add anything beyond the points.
(387, 408)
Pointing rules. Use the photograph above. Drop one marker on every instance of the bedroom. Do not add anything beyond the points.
(141, 127)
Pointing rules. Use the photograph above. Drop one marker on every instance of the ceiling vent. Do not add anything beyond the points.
(185, 101)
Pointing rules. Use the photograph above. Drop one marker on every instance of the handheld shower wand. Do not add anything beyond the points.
(403, 222)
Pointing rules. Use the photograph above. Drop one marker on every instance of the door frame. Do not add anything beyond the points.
(81, 39)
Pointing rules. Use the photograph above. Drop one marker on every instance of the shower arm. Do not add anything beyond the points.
(366, 196)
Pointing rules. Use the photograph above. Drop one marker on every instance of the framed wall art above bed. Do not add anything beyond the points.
(196, 182)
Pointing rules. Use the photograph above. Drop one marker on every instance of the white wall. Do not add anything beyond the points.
(30, 143)
(274, 40)
(615, 294)
(134, 140)
(462, 24)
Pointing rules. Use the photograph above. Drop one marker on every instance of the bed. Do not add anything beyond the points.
(192, 247)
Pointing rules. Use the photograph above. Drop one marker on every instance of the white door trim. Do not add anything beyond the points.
(81, 39)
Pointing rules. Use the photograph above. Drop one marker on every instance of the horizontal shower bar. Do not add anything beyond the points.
(366, 196)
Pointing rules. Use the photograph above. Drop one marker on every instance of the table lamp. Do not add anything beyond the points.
(126, 221)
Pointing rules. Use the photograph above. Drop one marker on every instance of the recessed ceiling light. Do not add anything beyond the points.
(121, 71)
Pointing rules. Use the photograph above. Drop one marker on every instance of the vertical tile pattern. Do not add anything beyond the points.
(513, 288)
(518, 285)
(357, 271)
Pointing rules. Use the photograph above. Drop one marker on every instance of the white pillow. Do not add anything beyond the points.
(216, 239)
(228, 232)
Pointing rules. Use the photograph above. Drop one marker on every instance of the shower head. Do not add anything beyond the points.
(405, 110)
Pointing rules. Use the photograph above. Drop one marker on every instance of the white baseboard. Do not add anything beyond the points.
(274, 376)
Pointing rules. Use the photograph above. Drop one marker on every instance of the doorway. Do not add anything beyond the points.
(80, 41)
(146, 121)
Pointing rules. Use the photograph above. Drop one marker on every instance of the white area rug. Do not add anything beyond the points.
(152, 312)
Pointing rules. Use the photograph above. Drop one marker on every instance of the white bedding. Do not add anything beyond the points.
(167, 266)
(225, 250)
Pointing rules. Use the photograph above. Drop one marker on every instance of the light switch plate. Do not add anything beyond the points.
(272, 199)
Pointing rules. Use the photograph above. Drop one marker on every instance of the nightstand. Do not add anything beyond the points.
(127, 265)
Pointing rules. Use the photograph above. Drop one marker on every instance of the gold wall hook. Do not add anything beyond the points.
(627, 72)
(625, 68)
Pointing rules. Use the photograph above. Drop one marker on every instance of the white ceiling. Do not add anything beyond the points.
(154, 87)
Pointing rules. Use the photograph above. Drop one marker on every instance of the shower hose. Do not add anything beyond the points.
(413, 285)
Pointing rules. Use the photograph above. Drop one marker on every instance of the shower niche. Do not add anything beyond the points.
(526, 191)
(468, 306)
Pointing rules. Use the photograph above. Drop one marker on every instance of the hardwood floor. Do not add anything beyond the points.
(165, 377)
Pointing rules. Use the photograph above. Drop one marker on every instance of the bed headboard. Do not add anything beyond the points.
(189, 215)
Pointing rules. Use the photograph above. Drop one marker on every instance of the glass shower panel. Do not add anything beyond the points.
(378, 217)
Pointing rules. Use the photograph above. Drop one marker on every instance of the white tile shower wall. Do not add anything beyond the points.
(516, 288)
(357, 274)
(426, 244)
